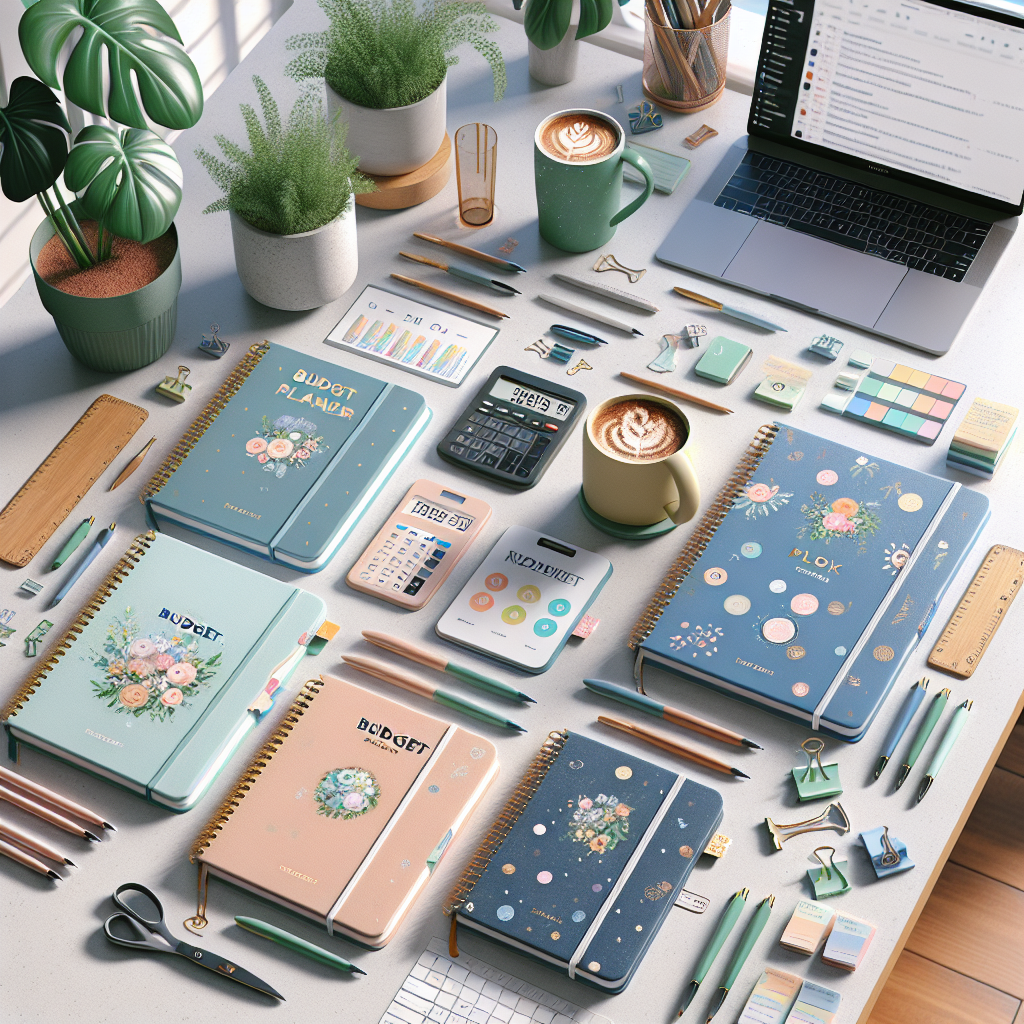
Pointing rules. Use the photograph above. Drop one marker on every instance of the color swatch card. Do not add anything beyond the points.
(981, 440)
(411, 335)
(807, 927)
(773, 997)
(847, 943)
(815, 1004)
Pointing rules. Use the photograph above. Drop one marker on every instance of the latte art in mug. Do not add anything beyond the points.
(638, 429)
(578, 137)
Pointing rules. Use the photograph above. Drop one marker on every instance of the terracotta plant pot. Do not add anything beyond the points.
(300, 271)
(117, 334)
(396, 140)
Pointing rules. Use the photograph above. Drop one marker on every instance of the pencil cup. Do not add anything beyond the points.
(476, 156)
(684, 69)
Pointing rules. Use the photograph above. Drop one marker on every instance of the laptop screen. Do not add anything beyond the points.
(907, 88)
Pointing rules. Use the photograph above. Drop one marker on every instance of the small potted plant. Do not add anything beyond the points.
(553, 49)
(385, 64)
(106, 266)
(292, 202)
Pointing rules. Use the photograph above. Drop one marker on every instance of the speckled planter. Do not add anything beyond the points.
(297, 271)
(556, 66)
(396, 140)
(118, 334)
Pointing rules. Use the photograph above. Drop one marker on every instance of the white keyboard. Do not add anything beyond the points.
(440, 990)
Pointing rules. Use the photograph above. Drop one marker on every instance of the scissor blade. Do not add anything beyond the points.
(227, 968)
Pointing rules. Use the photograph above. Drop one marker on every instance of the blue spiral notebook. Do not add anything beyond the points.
(810, 580)
(584, 863)
(287, 456)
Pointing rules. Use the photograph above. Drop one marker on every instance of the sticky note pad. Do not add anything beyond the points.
(807, 927)
(723, 360)
(779, 393)
(815, 1004)
(668, 168)
(772, 999)
(860, 358)
(847, 943)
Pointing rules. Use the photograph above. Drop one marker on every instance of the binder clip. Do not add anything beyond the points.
(816, 783)
(212, 345)
(693, 333)
(174, 388)
(35, 636)
(826, 346)
(609, 262)
(644, 118)
(888, 855)
(828, 880)
(6, 629)
(832, 818)
(581, 365)
(31, 587)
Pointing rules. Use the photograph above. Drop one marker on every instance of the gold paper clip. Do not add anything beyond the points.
(832, 818)
(609, 262)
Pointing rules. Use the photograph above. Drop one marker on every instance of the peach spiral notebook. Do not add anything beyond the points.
(346, 810)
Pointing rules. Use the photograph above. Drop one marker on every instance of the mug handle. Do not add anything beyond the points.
(685, 477)
(644, 168)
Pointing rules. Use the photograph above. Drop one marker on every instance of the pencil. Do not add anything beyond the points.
(663, 743)
(453, 296)
(11, 831)
(588, 314)
(475, 253)
(675, 392)
(30, 862)
(28, 786)
(47, 815)
(608, 292)
(97, 547)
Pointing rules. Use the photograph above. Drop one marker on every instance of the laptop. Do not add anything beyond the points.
(883, 170)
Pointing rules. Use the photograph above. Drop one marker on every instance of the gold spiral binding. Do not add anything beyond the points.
(89, 611)
(202, 422)
(521, 795)
(701, 537)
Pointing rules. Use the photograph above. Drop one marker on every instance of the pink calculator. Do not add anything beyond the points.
(419, 545)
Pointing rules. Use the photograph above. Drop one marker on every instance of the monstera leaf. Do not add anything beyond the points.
(131, 181)
(33, 137)
(547, 21)
(594, 16)
(138, 37)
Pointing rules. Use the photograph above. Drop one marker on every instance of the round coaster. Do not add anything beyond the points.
(623, 530)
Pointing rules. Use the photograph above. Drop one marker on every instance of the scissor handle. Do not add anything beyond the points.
(147, 937)
(150, 926)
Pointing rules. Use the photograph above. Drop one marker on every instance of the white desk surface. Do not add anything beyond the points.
(57, 964)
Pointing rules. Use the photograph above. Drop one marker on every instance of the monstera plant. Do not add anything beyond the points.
(547, 21)
(127, 64)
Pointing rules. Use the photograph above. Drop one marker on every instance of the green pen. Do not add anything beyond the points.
(739, 958)
(73, 541)
(714, 947)
(956, 725)
(293, 942)
(929, 723)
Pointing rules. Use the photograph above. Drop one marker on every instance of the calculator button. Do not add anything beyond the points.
(493, 423)
(496, 581)
(550, 426)
(528, 594)
(520, 446)
(490, 405)
(473, 456)
(523, 472)
(510, 462)
(519, 415)
(559, 606)
(476, 417)
(495, 449)
(456, 449)
(526, 435)
(414, 586)
(534, 423)
(510, 428)
(430, 563)
(477, 445)
(462, 439)
(529, 461)
(502, 408)
(487, 460)
(486, 433)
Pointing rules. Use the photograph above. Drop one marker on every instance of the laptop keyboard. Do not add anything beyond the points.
(838, 210)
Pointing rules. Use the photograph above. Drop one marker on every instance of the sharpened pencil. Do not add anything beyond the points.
(674, 392)
(452, 296)
(671, 746)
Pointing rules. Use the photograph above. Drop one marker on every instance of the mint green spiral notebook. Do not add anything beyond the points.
(166, 669)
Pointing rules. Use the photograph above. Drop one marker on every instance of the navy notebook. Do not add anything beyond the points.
(810, 580)
(583, 865)
(286, 457)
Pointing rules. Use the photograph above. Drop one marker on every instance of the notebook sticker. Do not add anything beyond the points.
(346, 793)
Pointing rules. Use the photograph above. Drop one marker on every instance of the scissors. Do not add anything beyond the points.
(146, 923)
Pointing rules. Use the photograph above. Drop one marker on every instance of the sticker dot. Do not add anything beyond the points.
(505, 913)
(736, 604)
(578, 916)
(544, 877)
(639, 927)
(884, 653)
(836, 607)
(751, 549)
(795, 653)
(556, 935)
(715, 577)
(686, 851)
(910, 502)
(801, 689)
(827, 477)
(777, 586)
(433, 789)
(840, 651)
(778, 630)
(624, 772)
(593, 966)
(804, 604)
(509, 869)
(539, 830)
(596, 887)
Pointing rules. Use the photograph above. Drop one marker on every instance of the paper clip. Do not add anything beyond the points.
(832, 818)
(888, 855)
(581, 365)
(644, 118)
(212, 345)
(815, 783)
(609, 262)
(35, 636)
(175, 387)
(828, 880)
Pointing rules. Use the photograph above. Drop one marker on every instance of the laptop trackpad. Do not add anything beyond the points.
(840, 282)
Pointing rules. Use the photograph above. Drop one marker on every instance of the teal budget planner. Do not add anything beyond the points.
(151, 687)
(287, 456)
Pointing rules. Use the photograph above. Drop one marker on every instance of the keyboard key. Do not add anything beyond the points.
(477, 417)
(456, 449)
(520, 446)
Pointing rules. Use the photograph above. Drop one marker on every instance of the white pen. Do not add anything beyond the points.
(615, 294)
(589, 314)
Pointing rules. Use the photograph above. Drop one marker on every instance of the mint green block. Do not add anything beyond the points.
(816, 787)
(723, 360)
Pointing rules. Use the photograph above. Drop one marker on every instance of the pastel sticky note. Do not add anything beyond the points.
(883, 367)
(835, 403)
(875, 412)
(935, 385)
(772, 999)
(953, 390)
(869, 386)
(912, 424)
(940, 410)
(923, 404)
(930, 430)
(894, 418)
(860, 358)
(815, 1004)
(847, 380)
(723, 360)
(807, 926)
(858, 406)
(906, 397)
(900, 373)
(888, 392)
(847, 943)
(919, 378)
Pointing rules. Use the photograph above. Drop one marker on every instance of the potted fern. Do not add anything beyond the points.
(106, 265)
(385, 64)
(553, 48)
(292, 202)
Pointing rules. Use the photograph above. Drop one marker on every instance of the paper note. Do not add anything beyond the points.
(815, 1005)
(847, 943)
(987, 426)
(773, 997)
(806, 927)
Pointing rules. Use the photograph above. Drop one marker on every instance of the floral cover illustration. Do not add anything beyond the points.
(288, 441)
(601, 823)
(154, 674)
(346, 793)
(842, 517)
(760, 500)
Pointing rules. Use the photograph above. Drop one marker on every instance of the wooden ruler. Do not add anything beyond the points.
(980, 612)
(67, 473)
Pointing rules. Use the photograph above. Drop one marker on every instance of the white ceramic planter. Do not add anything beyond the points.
(395, 140)
(556, 66)
(297, 271)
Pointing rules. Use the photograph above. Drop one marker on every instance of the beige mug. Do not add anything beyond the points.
(628, 486)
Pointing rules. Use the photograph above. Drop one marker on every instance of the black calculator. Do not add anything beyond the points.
(513, 428)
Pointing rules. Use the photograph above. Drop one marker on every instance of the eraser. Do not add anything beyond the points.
(860, 358)
(848, 381)
(723, 360)
(807, 927)
(847, 943)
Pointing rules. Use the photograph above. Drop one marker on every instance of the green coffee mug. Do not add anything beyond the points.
(578, 195)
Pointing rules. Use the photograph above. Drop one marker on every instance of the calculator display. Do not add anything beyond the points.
(438, 514)
(530, 398)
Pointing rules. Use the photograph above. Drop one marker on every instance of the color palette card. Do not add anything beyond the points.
(773, 997)
(981, 440)
(847, 943)
(807, 927)
(815, 1004)
(897, 397)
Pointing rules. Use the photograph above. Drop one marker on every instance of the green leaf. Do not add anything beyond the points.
(546, 22)
(33, 137)
(138, 37)
(131, 181)
(594, 16)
